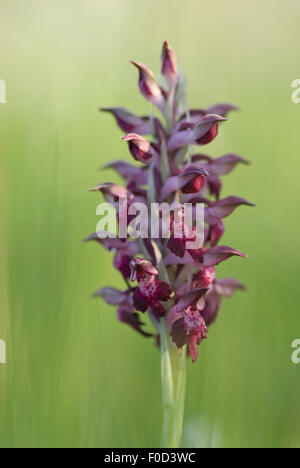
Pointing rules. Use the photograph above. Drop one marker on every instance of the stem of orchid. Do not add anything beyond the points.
(173, 373)
(143, 247)
(152, 119)
(165, 165)
(169, 109)
(189, 155)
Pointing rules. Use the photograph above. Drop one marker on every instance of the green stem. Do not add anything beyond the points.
(173, 373)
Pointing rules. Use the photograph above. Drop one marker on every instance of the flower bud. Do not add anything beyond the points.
(149, 87)
(169, 64)
(139, 147)
(192, 179)
(207, 129)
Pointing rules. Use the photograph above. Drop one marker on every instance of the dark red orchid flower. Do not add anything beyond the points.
(140, 148)
(151, 292)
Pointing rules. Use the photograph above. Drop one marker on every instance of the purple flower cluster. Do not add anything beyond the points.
(163, 277)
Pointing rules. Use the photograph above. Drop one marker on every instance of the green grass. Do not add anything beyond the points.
(75, 376)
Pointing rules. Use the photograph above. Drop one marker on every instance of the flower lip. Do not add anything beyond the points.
(189, 328)
(204, 278)
(192, 179)
(193, 321)
(194, 186)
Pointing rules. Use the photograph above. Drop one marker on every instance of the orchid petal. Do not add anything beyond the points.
(217, 255)
(190, 298)
(106, 240)
(228, 286)
(128, 122)
(225, 164)
(223, 208)
(221, 109)
(112, 296)
(132, 319)
(128, 171)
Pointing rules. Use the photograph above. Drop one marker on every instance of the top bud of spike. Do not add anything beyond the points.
(169, 64)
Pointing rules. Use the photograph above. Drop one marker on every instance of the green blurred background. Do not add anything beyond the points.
(74, 376)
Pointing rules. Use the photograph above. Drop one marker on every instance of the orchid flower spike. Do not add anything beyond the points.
(176, 285)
